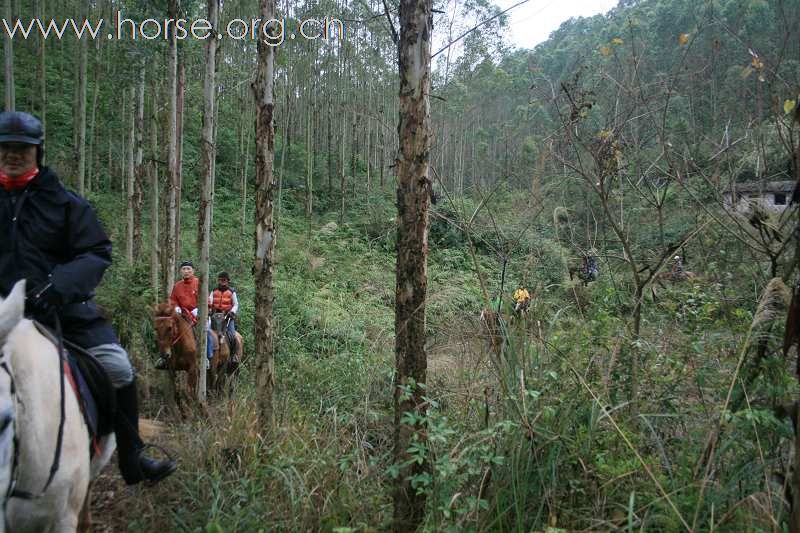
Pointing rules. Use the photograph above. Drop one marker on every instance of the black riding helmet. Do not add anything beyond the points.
(223, 275)
(17, 126)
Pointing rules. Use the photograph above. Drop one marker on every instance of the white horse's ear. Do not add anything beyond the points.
(12, 309)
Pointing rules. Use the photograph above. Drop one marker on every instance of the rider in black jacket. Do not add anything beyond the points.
(52, 238)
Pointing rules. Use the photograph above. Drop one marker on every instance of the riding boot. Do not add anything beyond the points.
(234, 342)
(133, 465)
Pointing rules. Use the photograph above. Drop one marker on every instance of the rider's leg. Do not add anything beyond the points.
(134, 466)
(231, 333)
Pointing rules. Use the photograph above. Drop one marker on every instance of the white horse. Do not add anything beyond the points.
(30, 407)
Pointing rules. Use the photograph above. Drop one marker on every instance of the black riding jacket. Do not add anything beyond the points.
(48, 233)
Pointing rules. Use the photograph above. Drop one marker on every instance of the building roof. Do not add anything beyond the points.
(760, 186)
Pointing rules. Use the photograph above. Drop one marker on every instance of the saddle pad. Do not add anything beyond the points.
(92, 387)
(96, 394)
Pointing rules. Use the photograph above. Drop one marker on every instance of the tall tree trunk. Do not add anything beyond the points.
(179, 107)
(309, 160)
(138, 169)
(413, 167)
(8, 46)
(42, 70)
(90, 159)
(245, 171)
(264, 93)
(80, 147)
(154, 200)
(207, 154)
(130, 187)
(170, 243)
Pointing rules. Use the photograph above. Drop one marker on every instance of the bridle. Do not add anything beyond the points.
(181, 334)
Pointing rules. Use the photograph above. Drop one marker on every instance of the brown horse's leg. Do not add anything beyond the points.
(85, 516)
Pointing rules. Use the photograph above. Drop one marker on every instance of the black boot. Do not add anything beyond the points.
(133, 465)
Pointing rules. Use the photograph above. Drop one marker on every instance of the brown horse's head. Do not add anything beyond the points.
(165, 321)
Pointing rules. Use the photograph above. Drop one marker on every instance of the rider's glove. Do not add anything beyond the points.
(231, 314)
(44, 300)
(178, 310)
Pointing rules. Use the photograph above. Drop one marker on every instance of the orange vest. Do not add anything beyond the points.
(222, 300)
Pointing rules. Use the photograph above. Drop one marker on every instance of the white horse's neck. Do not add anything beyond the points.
(35, 365)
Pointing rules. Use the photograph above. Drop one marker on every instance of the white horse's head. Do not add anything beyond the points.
(11, 312)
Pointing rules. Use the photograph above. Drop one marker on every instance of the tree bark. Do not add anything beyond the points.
(413, 167)
(80, 147)
(138, 168)
(154, 203)
(130, 188)
(207, 154)
(8, 46)
(265, 236)
(179, 107)
(309, 160)
(42, 70)
(171, 235)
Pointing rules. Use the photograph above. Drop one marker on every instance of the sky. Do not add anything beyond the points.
(532, 22)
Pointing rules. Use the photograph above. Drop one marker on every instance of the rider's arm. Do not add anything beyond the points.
(235, 299)
(90, 253)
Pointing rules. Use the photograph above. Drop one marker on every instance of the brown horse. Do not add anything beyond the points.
(177, 346)
(221, 366)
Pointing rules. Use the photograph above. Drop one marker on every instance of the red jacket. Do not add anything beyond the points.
(184, 294)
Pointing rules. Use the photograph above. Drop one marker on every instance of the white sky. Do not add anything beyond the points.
(532, 23)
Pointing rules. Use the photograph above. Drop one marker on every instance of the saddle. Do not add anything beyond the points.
(91, 385)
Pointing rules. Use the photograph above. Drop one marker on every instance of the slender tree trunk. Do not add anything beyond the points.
(170, 244)
(42, 70)
(264, 267)
(412, 256)
(9, 63)
(330, 147)
(341, 172)
(207, 157)
(309, 160)
(138, 171)
(245, 172)
(80, 148)
(130, 187)
(90, 159)
(154, 202)
(179, 107)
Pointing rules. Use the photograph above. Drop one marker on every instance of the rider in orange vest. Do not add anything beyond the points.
(223, 299)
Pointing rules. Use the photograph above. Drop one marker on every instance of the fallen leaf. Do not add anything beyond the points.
(616, 40)
(605, 50)
(683, 38)
(788, 106)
